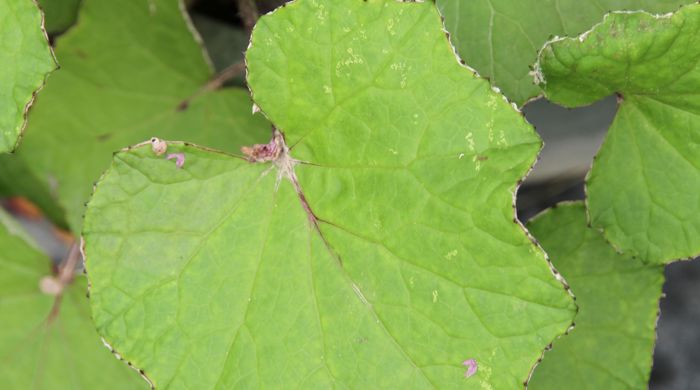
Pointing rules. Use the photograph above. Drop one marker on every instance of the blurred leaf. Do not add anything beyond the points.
(17, 179)
(25, 63)
(224, 43)
(644, 184)
(501, 38)
(59, 14)
(618, 298)
(415, 264)
(39, 352)
(125, 69)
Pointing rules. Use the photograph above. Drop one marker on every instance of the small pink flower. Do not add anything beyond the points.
(471, 367)
(179, 159)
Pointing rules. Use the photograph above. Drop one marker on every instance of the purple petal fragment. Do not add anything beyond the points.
(179, 159)
(471, 367)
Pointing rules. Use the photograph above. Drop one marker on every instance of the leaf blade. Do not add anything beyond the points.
(59, 353)
(26, 60)
(112, 93)
(501, 38)
(640, 183)
(612, 343)
(326, 279)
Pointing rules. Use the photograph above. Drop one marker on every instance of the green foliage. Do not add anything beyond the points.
(405, 262)
(59, 14)
(41, 350)
(224, 43)
(118, 85)
(373, 242)
(642, 189)
(617, 296)
(25, 62)
(501, 38)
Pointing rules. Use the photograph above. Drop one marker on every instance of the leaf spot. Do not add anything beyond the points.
(260, 153)
(353, 59)
(472, 367)
(179, 159)
(470, 141)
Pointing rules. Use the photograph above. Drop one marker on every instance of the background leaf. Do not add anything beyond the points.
(125, 68)
(38, 353)
(225, 43)
(643, 186)
(501, 38)
(414, 265)
(25, 60)
(618, 299)
(60, 14)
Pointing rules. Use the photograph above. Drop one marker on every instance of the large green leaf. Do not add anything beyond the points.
(125, 68)
(643, 187)
(618, 298)
(41, 350)
(25, 62)
(500, 38)
(389, 258)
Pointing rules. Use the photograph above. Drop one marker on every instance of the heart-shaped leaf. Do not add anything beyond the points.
(643, 186)
(126, 67)
(25, 62)
(381, 251)
(500, 38)
(618, 298)
(49, 342)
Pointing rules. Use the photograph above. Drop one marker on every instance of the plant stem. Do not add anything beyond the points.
(66, 272)
(215, 83)
(66, 269)
(248, 11)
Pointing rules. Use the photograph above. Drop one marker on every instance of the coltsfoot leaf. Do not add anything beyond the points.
(618, 298)
(49, 343)
(643, 186)
(500, 38)
(381, 251)
(25, 62)
(126, 67)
